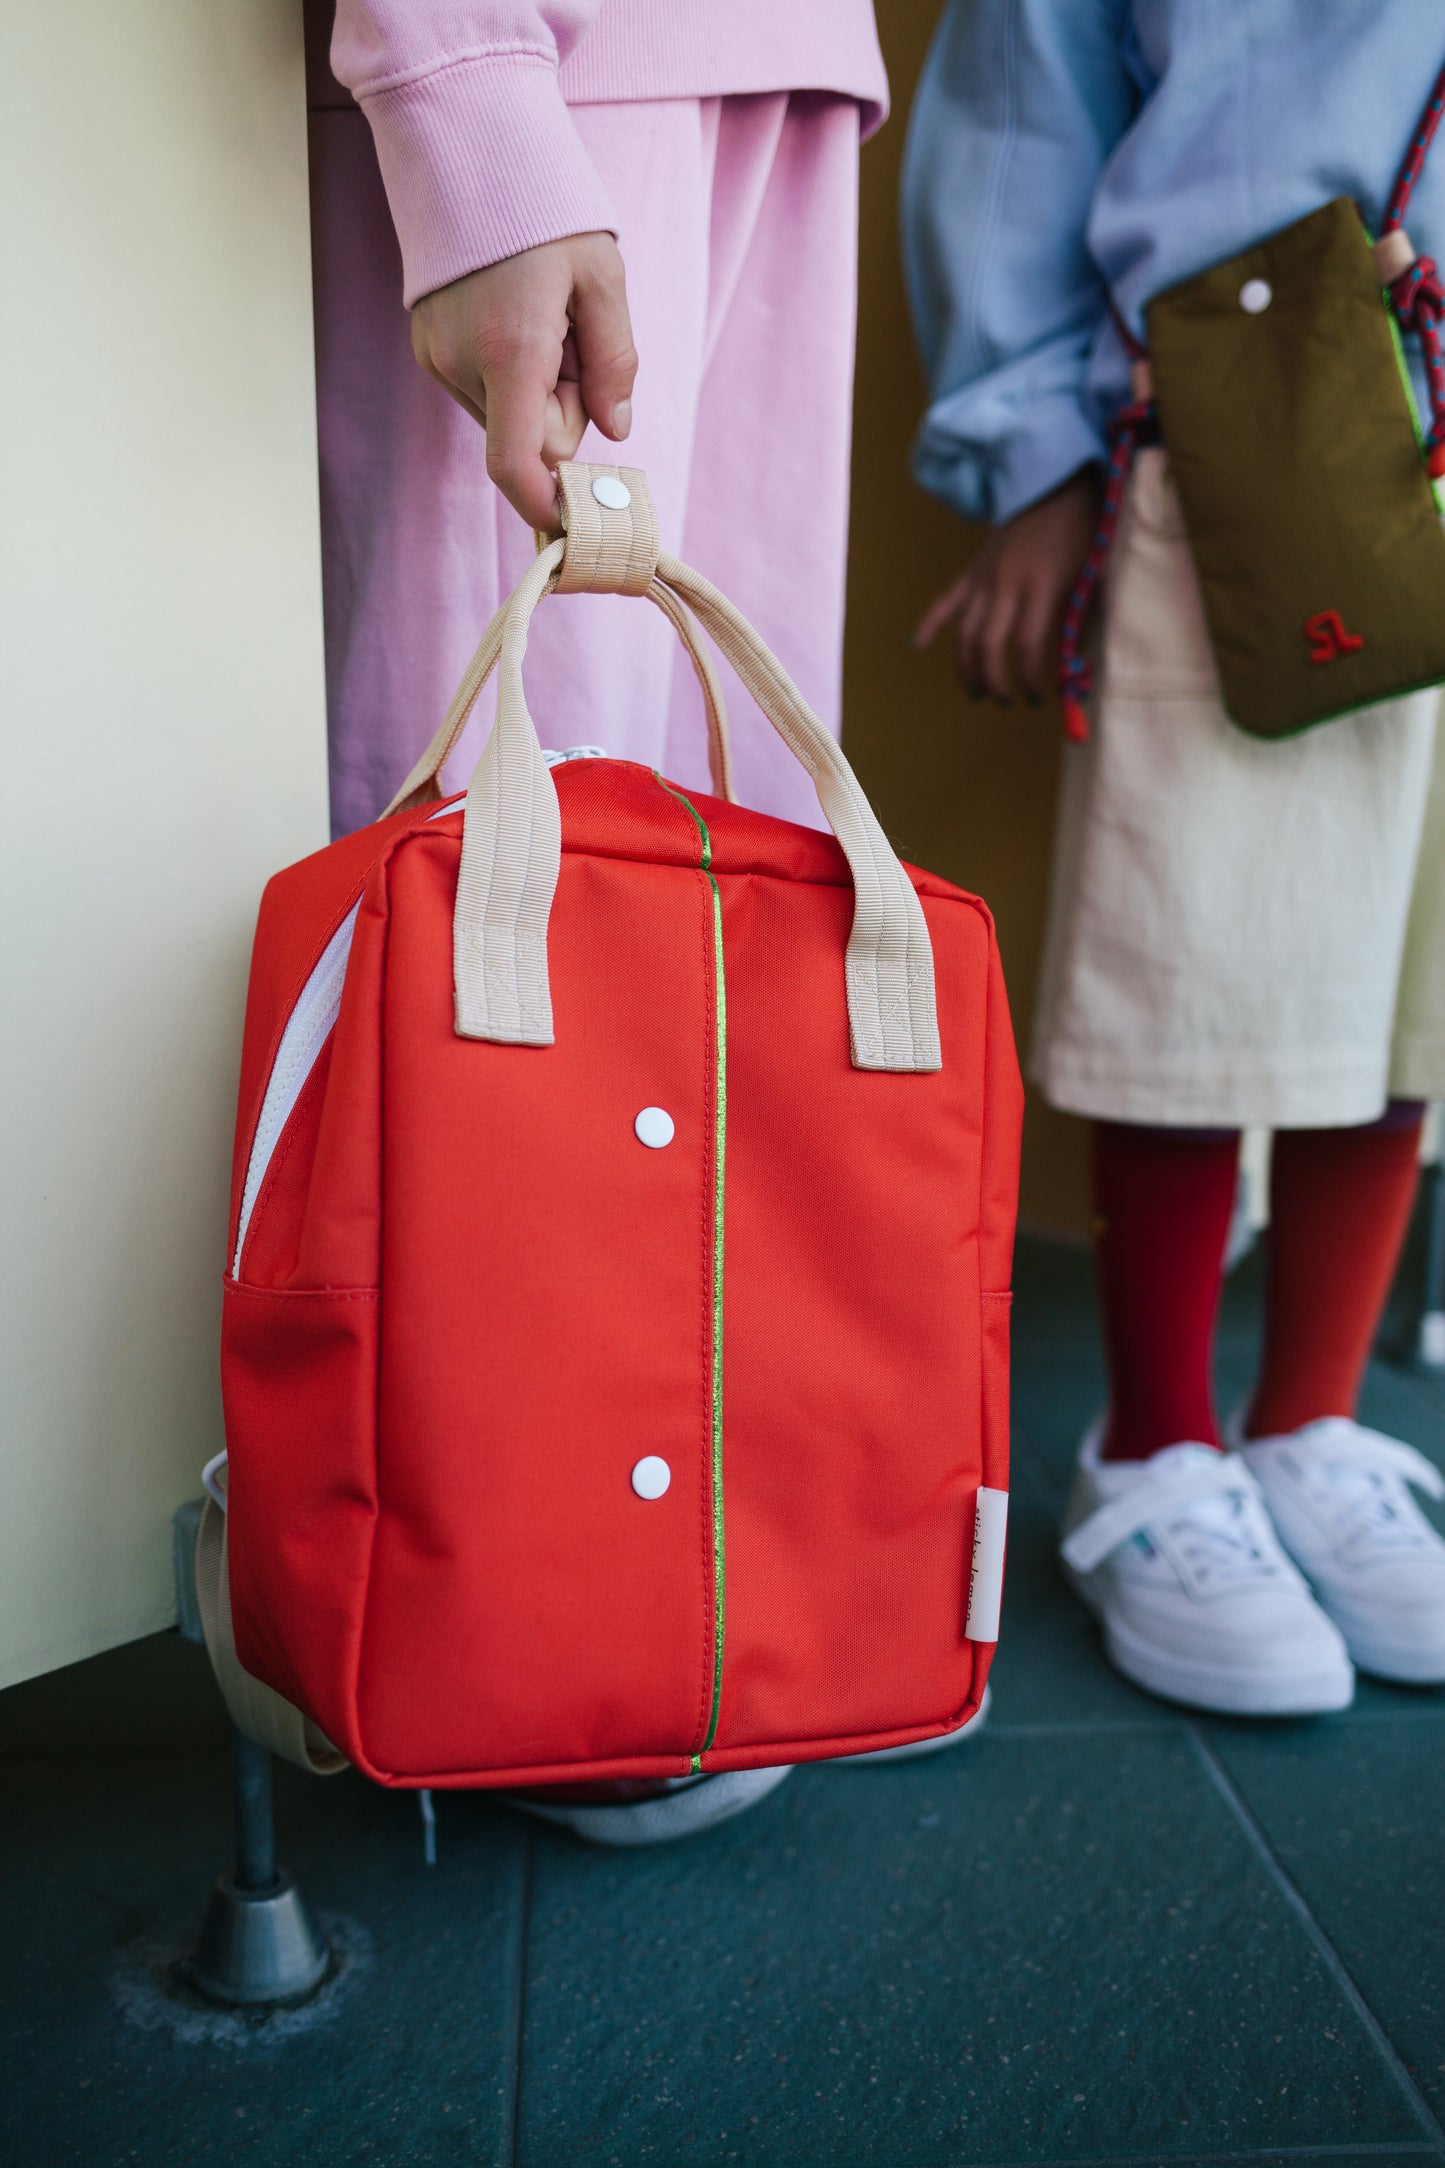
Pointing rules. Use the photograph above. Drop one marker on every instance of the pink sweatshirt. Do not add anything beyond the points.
(468, 100)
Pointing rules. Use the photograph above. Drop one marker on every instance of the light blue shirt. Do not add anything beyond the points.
(1063, 150)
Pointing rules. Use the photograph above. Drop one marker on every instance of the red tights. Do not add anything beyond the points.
(1340, 1202)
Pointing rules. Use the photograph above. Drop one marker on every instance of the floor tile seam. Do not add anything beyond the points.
(1369, 2149)
(1325, 1948)
(509, 2137)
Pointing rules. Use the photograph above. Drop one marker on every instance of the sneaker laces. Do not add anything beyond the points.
(1359, 1479)
(1225, 1539)
(1208, 1503)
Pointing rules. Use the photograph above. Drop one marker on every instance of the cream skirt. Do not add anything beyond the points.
(1240, 931)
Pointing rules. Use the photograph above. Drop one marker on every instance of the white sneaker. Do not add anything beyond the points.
(1339, 1497)
(683, 1807)
(919, 1747)
(1198, 1602)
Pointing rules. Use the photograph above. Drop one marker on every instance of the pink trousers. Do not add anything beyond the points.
(738, 221)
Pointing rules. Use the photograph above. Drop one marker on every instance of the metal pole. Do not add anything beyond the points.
(253, 1802)
(258, 1942)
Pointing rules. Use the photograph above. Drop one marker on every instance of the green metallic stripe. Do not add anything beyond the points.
(719, 1545)
(720, 1148)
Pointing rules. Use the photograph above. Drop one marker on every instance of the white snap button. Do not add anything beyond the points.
(614, 494)
(654, 1126)
(651, 1476)
(1255, 296)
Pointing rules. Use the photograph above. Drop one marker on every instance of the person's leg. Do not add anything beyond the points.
(1339, 1494)
(1162, 1201)
(1340, 1203)
(767, 500)
(1165, 1536)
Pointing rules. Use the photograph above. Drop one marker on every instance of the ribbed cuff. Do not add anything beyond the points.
(481, 160)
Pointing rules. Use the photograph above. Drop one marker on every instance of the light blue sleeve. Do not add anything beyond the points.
(1019, 106)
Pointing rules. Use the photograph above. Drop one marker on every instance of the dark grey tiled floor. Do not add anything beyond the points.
(1099, 1933)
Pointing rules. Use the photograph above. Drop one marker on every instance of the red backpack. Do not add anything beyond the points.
(615, 1350)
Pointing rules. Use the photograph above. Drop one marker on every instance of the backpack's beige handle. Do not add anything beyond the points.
(892, 1000)
(423, 782)
(512, 840)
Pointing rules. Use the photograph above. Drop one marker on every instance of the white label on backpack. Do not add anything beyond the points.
(985, 1582)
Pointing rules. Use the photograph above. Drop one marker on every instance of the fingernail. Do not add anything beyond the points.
(622, 418)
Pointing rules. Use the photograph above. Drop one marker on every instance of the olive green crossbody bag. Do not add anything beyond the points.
(1277, 382)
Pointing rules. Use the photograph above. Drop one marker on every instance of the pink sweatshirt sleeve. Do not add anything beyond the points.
(477, 149)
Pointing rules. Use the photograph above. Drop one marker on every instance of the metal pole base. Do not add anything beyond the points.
(258, 1946)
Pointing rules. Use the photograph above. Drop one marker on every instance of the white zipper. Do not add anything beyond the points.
(307, 1030)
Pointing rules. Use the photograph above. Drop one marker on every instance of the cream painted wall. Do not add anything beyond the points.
(160, 643)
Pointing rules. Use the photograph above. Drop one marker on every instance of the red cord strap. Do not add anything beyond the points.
(1136, 425)
(1414, 161)
(1417, 295)
(1418, 299)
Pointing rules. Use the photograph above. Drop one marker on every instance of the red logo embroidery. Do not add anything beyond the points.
(1329, 637)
